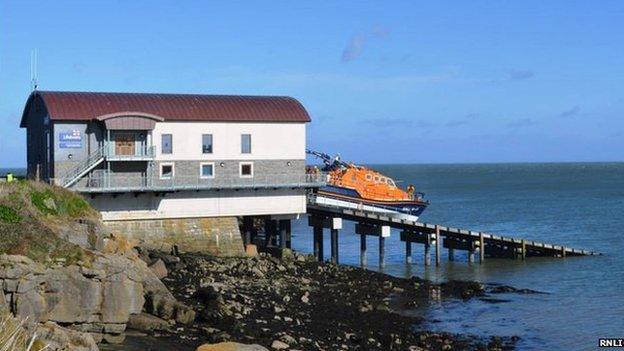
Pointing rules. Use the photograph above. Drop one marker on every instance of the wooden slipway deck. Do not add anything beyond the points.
(377, 224)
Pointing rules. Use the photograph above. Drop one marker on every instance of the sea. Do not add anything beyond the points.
(579, 205)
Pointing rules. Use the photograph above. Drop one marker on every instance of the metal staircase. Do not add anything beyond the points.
(83, 168)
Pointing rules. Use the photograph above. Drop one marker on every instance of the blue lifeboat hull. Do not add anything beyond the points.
(412, 208)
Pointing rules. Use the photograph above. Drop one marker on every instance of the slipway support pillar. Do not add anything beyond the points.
(270, 232)
(363, 250)
(247, 230)
(481, 248)
(408, 252)
(334, 245)
(319, 223)
(438, 242)
(451, 254)
(318, 243)
(284, 228)
(381, 231)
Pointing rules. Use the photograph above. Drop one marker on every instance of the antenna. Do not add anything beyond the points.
(33, 70)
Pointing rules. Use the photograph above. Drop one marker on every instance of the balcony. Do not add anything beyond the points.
(137, 153)
(119, 183)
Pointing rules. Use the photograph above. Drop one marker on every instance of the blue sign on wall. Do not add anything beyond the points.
(70, 140)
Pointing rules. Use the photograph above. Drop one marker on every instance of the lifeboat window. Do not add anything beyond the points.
(369, 176)
(376, 179)
(390, 182)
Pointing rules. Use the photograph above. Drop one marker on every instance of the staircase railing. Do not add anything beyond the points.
(81, 169)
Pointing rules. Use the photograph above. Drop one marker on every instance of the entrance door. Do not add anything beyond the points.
(124, 144)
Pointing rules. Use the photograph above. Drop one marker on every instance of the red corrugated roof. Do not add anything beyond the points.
(65, 105)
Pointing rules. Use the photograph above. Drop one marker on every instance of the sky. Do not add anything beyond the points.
(383, 81)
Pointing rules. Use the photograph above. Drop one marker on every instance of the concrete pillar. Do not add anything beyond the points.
(437, 245)
(363, 250)
(428, 250)
(284, 229)
(247, 228)
(334, 245)
(523, 248)
(481, 248)
(451, 254)
(408, 252)
(382, 251)
(318, 243)
(471, 256)
(269, 231)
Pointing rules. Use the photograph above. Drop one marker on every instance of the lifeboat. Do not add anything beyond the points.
(362, 188)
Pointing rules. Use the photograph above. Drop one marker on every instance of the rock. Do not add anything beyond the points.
(147, 322)
(159, 269)
(251, 250)
(120, 300)
(231, 346)
(279, 345)
(305, 298)
(59, 338)
(114, 338)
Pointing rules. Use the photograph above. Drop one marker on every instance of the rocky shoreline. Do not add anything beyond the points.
(295, 303)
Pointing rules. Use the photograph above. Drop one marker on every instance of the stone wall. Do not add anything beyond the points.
(214, 235)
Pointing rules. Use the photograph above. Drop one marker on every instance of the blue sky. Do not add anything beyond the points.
(396, 82)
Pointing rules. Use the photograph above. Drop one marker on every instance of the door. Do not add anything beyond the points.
(124, 144)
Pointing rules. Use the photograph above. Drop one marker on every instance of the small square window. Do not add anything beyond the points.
(246, 143)
(246, 170)
(167, 144)
(207, 170)
(166, 171)
(207, 143)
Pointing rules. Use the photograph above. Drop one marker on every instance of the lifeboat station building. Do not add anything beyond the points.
(172, 169)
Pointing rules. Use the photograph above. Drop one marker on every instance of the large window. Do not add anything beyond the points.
(167, 144)
(206, 170)
(246, 170)
(207, 143)
(246, 143)
(166, 170)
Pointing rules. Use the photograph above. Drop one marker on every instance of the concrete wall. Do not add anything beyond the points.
(217, 236)
(91, 133)
(269, 141)
(193, 204)
(188, 171)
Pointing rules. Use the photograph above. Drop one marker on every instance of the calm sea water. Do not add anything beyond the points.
(575, 204)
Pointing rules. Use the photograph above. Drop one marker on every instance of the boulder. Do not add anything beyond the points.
(59, 338)
(120, 300)
(147, 322)
(159, 269)
(231, 346)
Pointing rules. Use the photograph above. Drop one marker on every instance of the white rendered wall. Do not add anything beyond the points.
(200, 204)
(269, 141)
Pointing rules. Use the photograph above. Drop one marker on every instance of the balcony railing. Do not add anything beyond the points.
(143, 152)
(115, 183)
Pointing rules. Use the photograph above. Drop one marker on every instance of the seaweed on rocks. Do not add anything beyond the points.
(309, 305)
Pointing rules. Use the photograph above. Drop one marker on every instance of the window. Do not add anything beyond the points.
(245, 143)
(246, 169)
(167, 144)
(207, 143)
(166, 170)
(206, 170)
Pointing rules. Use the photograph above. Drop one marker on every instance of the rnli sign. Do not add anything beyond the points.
(70, 140)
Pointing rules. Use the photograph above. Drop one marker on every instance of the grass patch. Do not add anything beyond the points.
(32, 217)
(9, 215)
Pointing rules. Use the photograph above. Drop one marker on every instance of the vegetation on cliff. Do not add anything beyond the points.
(32, 217)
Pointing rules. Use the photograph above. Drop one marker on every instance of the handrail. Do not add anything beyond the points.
(73, 175)
(107, 182)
